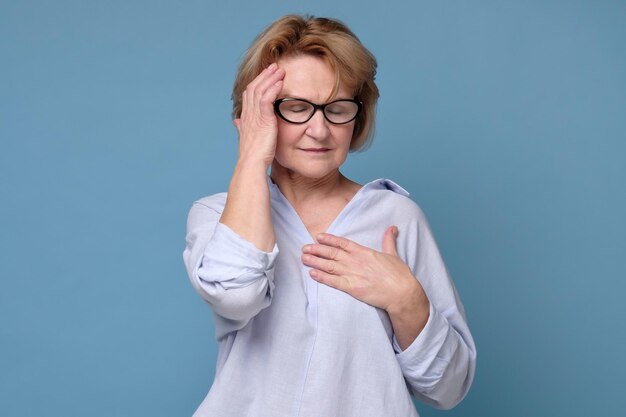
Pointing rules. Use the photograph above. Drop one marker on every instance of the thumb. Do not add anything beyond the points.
(389, 240)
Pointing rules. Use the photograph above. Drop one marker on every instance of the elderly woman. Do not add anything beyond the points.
(330, 298)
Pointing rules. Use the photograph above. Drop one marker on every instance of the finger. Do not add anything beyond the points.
(326, 265)
(269, 97)
(337, 242)
(250, 91)
(260, 95)
(274, 90)
(270, 79)
(245, 104)
(323, 251)
(262, 76)
(333, 281)
(389, 241)
(267, 82)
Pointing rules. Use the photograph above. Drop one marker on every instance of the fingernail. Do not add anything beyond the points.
(272, 66)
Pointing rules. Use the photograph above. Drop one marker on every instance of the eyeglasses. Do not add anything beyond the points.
(298, 111)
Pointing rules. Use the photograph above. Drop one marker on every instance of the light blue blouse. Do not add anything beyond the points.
(289, 346)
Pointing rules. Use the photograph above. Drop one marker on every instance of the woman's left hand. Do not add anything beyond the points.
(380, 279)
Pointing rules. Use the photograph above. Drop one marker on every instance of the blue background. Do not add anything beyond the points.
(504, 119)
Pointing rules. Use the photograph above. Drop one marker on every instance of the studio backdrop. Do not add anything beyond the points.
(505, 120)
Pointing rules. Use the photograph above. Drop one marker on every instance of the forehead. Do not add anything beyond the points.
(310, 78)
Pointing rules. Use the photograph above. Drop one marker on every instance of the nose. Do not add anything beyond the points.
(317, 126)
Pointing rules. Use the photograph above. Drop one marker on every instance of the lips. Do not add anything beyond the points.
(315, 150)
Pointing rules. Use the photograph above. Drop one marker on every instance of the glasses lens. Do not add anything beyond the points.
(295, 111)
(341, 111)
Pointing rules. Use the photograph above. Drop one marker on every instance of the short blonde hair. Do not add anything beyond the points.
(329, 39)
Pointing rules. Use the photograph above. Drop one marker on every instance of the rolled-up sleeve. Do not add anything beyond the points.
(230, 273)
(439, 365)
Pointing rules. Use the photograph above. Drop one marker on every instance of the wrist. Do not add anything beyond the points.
(409, 316)
(412, 305)
(250, 163)
(249, 176)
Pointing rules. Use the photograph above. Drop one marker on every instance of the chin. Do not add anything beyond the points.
(308, 166)
(312, 171)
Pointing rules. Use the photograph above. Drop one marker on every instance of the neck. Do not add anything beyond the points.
(298, 189)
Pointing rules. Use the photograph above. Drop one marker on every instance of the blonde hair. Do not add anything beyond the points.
(329, 39)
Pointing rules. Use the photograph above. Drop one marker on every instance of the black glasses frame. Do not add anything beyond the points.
(316, 107)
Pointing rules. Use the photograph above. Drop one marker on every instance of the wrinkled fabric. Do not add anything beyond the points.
(289, 346)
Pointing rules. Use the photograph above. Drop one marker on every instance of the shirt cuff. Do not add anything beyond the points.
(230, 255)
(428, 356)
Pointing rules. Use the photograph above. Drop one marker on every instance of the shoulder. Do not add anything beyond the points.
(388, 195)
(215, 202)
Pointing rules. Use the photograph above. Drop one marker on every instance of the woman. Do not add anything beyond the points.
(329, 298)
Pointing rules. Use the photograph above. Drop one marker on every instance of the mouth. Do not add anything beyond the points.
(315, 150)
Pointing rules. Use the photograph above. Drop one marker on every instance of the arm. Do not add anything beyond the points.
(433, 345)
(231, 249)
(231, 274)
(440, 364)
(248, 189)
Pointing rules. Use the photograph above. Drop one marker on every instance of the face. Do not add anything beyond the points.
(316, 148)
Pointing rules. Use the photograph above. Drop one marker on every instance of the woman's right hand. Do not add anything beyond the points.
(258, 125)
